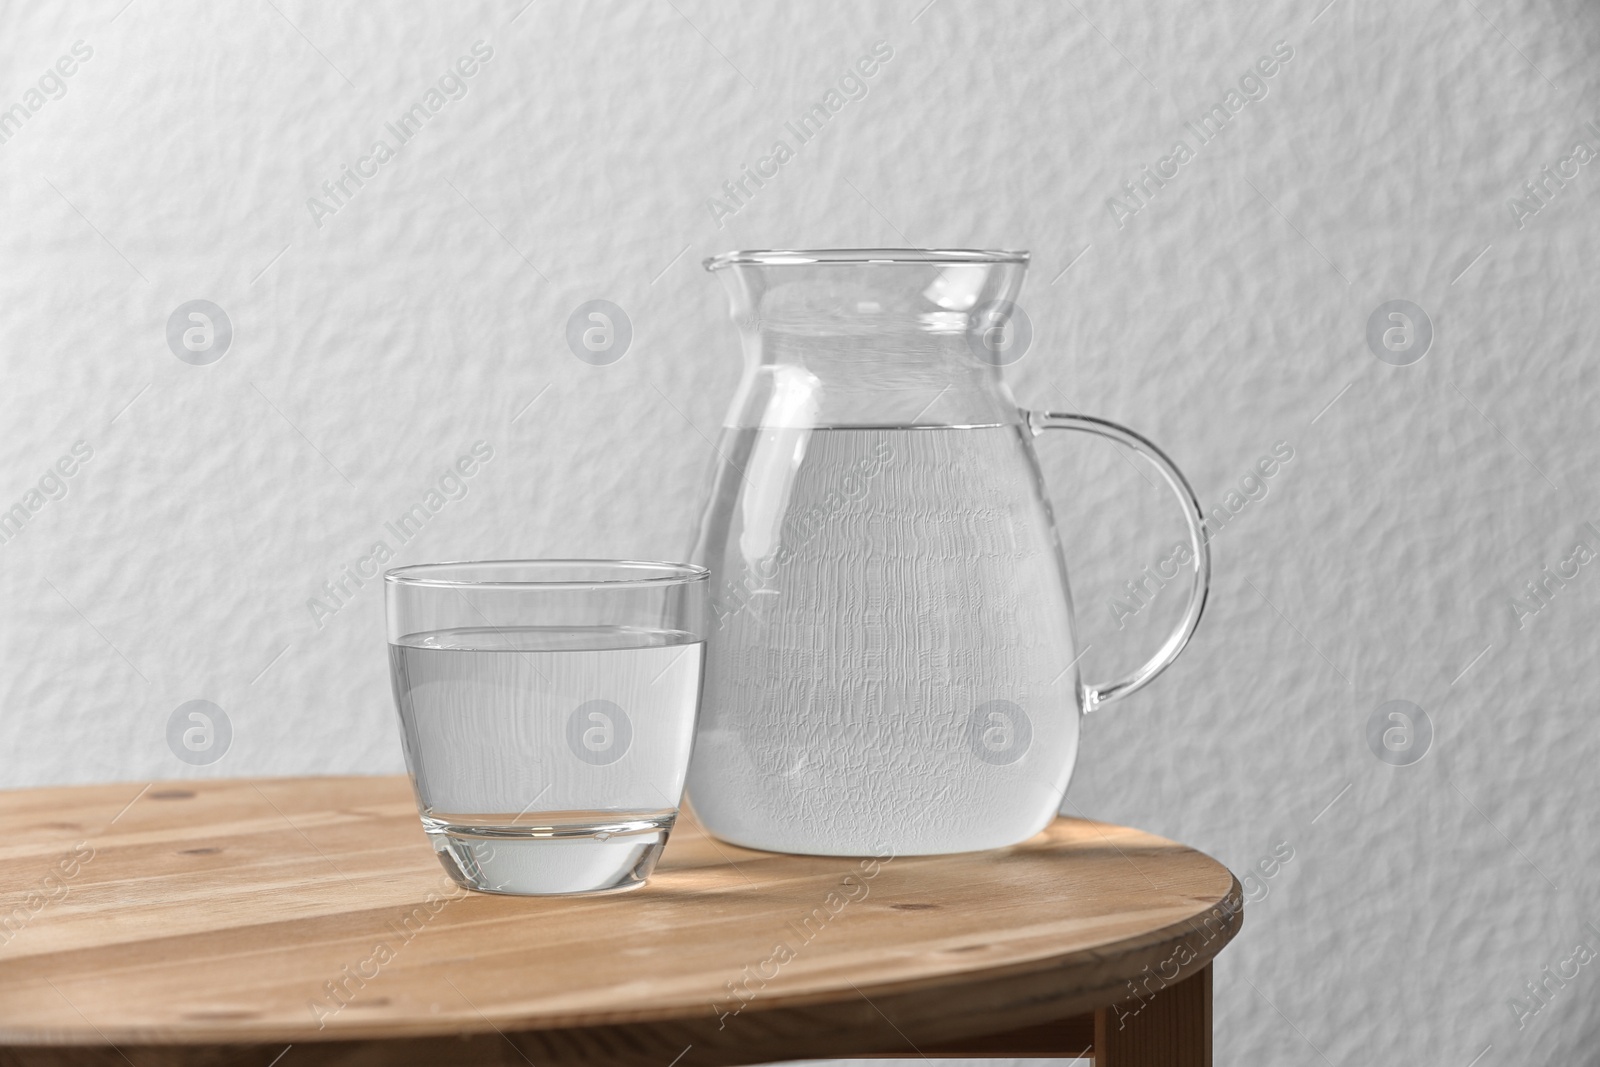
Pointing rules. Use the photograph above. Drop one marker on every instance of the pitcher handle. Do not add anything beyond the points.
(1095, 695)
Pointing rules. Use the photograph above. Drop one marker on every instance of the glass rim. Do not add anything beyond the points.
(654, 573)
(779, 257)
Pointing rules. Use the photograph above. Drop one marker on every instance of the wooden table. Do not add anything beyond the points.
(305, 921)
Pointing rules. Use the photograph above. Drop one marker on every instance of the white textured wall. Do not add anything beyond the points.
(371, 351)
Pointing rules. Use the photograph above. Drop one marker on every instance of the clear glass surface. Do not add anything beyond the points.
(891, 664)
(547, 710)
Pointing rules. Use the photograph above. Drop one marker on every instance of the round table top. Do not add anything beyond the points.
(268, 912)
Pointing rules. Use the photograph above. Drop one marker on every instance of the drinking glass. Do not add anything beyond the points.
(547, 709)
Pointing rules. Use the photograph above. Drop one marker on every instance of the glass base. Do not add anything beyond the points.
(588, 852)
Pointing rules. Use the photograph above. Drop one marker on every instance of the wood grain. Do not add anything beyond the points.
(1170, 1027)
(220, 921)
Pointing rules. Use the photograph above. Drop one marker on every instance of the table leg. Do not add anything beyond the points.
(1170, 1028)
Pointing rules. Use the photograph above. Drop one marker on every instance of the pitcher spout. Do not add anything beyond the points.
(872, 336)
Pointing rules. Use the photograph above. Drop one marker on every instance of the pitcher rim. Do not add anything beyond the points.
(777, 257)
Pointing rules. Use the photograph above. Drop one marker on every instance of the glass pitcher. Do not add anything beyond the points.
(891, 665)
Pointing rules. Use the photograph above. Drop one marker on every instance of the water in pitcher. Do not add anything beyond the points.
(539, 736)
(892, 655)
